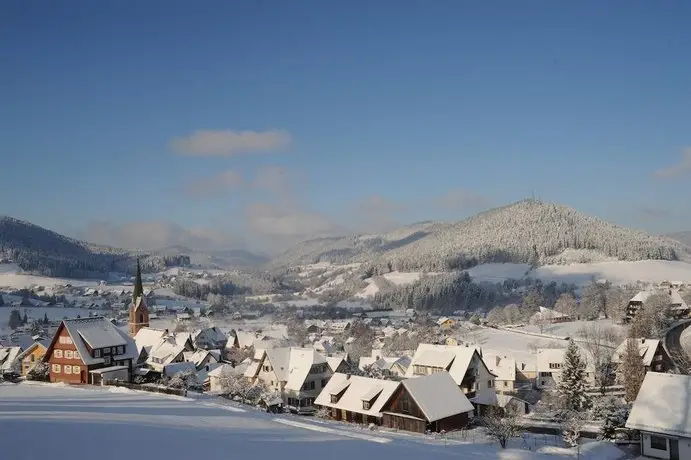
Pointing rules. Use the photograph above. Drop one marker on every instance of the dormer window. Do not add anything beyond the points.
(334, 399)
(365, 405)
(97, 353)
(106, 351)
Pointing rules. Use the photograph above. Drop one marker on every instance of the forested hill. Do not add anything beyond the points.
(36, 249)
(528, 231)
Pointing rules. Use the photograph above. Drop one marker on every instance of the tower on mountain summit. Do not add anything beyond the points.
(139, 312)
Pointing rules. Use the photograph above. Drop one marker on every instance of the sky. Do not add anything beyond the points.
(258, 124)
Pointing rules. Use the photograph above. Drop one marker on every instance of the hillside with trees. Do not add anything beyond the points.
(529, 231)
(41, 251)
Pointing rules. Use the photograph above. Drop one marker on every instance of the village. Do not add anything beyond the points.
(395, 370)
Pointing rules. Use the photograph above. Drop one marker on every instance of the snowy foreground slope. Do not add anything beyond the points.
(59, 422)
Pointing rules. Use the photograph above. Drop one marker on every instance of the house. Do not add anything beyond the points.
(337, 363)
(677, 304)
(445, 323)
(661, 413)
(466, 367)
(652, 352)
(549, 316)
(513, 405)
(172, 369)
(505, 370)
(430, 403)
(201, 358)
(158, 347)
(356, 399)
(31, 355)
(397, 366)
(340, 327)
(299, 374)
(210, 338)
(549, 367)
(90, 350)
(9, 360)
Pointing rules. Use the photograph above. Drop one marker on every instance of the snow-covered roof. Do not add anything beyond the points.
(663, 405)
(148, 337)
(102, 333)
(646, 349)
(220, 370)
(357, 389)
(504, 399)
(501, 366)
(8, 357)
(642, 296)
(437, 396)
(545, 356)
(334, 362)
(170, 370)
(296, 367)
(457, 356)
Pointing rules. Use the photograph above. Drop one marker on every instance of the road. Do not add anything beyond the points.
(677, 339)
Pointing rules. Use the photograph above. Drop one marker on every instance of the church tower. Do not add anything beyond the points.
(139, 312)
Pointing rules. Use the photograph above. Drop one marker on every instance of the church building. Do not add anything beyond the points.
(139, 312)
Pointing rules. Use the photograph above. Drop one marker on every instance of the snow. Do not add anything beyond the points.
(370, 291)
(164, 426)
(402, 278)
(437, 396)
(663, 405)
(617, 272)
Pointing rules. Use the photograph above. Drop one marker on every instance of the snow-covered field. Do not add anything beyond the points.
(148, 425)
(571, 328)
(618, 272)
(54, 314)
(10, 278)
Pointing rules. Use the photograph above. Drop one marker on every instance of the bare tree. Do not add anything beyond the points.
(297, 332)
(502, 429)
(600, 343)
(512, 313)
(496, 316)
(681, 361)
(540, 321)
(566, 304)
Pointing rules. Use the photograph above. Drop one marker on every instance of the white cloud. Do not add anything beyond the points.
(153, 235)
(462, 199)
(376, 214)
(228, 142)
(277, 179)
(219, 182)
(681, 168)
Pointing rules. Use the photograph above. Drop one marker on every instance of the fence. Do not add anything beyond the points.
(148, 387)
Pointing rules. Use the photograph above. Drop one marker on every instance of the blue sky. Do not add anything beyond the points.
(260, 123)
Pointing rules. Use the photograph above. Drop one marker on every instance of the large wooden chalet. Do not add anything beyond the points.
(89, 351)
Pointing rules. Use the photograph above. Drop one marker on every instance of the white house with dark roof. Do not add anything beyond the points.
(158, 347)
(505, 370)
(662, 413)
(550, 362)
(299, 374)
(90, 350)
(356, 399)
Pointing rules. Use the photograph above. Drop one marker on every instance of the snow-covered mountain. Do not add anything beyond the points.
(216, 258)
(528, 231)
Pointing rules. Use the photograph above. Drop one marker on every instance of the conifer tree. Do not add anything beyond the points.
(572, 386)
(45, 318)
(633, 370)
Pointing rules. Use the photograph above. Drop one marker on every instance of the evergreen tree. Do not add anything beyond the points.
(2, 302)
(45, 318)
(15, 319)
(138, 286)
(573, 377)
(633, 370)
(25, 320)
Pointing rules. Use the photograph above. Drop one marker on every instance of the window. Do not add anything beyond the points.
(365, 405)
(106, 360)
(506, 384)
(56, 368)
(658, 443)
(266, 368)
(97, 353)
(121, 350)
(58, 353)
(324, 382)
(65, 340)
(405, 405)
(334, 399)
(32, 358)
(489, 384)
(106, 351)
(68, 354)
(555, 365)
(76, 369)
(76, 355)
(68, 369)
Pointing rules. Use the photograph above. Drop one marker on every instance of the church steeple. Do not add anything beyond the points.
(138, 286)
(139, 313)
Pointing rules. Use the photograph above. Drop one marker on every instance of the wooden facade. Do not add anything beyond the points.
(61, 359)
(34, 354)
(402, 413)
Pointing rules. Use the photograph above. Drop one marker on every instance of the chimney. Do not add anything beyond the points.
(642, 340)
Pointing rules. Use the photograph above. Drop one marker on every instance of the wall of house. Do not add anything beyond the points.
(683, 443)
(547, 382)
(58, 363)
(32, 358)
(400, 400)
(455, 422)
(404, 423)
(504, 386)
(484, 380)
(268, 376)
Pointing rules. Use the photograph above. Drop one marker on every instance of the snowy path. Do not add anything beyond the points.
(59, 422)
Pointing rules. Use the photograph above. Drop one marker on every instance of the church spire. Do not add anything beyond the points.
(138, 286)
